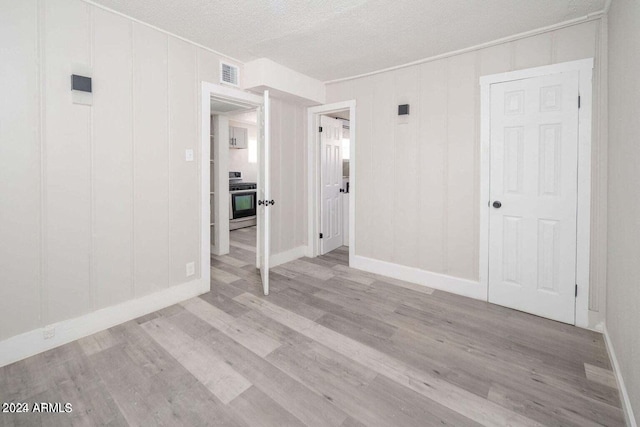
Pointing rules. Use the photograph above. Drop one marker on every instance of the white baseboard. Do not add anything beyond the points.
(31, 343)
(624, 396)
(286, 256)
(455, 285)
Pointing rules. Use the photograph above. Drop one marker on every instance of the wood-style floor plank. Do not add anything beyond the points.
(434, 388)
(330, 346)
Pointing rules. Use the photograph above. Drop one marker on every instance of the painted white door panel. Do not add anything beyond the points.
(331, 179)
(534, 171)
(264, 193)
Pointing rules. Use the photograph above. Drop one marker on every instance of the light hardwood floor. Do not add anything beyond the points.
(331, 346)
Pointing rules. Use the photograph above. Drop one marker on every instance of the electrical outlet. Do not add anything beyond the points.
(49, 332)
(188, 155)
(191, 268)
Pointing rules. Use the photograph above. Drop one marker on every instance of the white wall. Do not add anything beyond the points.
(417, 196)
(239, 158)
(97, 203)
(623, 281)
(288, 176)
(284, 82)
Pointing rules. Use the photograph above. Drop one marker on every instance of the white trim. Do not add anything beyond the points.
(581, 65)
(92, 3)
(205, 183)
(585, 69)
(455, 285)
(622, 389)
(233, 94)
(287, 256)
(30, 343)
(313, 159)
(587, 18)
(221, 197)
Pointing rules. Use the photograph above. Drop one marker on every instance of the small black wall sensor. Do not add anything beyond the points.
(403, 110)
(80, 83)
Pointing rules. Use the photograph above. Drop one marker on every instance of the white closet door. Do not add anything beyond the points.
(533, 190)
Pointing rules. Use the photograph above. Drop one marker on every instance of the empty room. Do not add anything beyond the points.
(319, 213)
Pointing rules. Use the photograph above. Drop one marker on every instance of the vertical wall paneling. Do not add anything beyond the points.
(383, 152)
(461, 108)
(86, 200)
(112, 242)
(406, 146)
(184, 194)
(151, 160)
(575, 42)
(365, 190)
(277, 141)
(20, 207)
(495, 59)
(301, 172)
(432, 164)
(446, 178)
(68, 164)
(532, 51)
(623, 247)
(287, 186)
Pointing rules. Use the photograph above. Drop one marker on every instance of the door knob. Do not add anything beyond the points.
(497, 204)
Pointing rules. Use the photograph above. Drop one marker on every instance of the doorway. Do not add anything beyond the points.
(331, 164)
(535, 185)
(233, 121)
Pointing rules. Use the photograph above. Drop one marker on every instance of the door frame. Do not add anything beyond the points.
(221, 187)
(313, 175)
(585, 69)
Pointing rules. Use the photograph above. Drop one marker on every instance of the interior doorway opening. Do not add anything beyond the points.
(235, 182)
(235, 129)
(332, 148)
(334, 180)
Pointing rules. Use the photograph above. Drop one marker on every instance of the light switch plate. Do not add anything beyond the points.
(191, 268)
(188, 155)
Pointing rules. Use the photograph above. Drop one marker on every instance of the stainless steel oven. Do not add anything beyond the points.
(242, 204)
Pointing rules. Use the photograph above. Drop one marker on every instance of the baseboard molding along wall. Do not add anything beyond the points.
(624, 396)
(33, 342)
(286, 256)
(455, 285)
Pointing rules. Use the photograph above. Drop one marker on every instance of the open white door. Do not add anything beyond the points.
(331, 182)
(264, 194)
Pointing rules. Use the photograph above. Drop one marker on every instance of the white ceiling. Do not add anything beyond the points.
(331, 39)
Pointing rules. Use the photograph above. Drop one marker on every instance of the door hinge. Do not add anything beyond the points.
(321, 235)
(576, 289)
(320, 129)
(578, 101)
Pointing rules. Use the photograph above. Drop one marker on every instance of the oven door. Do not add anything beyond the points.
(243, 204)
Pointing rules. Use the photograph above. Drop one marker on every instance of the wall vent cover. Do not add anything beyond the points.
(229, 74)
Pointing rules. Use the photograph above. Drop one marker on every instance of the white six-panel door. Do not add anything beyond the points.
(533, 195)
(331, 181)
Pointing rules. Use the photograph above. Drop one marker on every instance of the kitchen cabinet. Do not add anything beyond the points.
(238, 137)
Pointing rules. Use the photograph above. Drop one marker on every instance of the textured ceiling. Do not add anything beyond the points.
(331, 39)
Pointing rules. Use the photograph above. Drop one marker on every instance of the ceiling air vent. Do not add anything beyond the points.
(229, 74)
